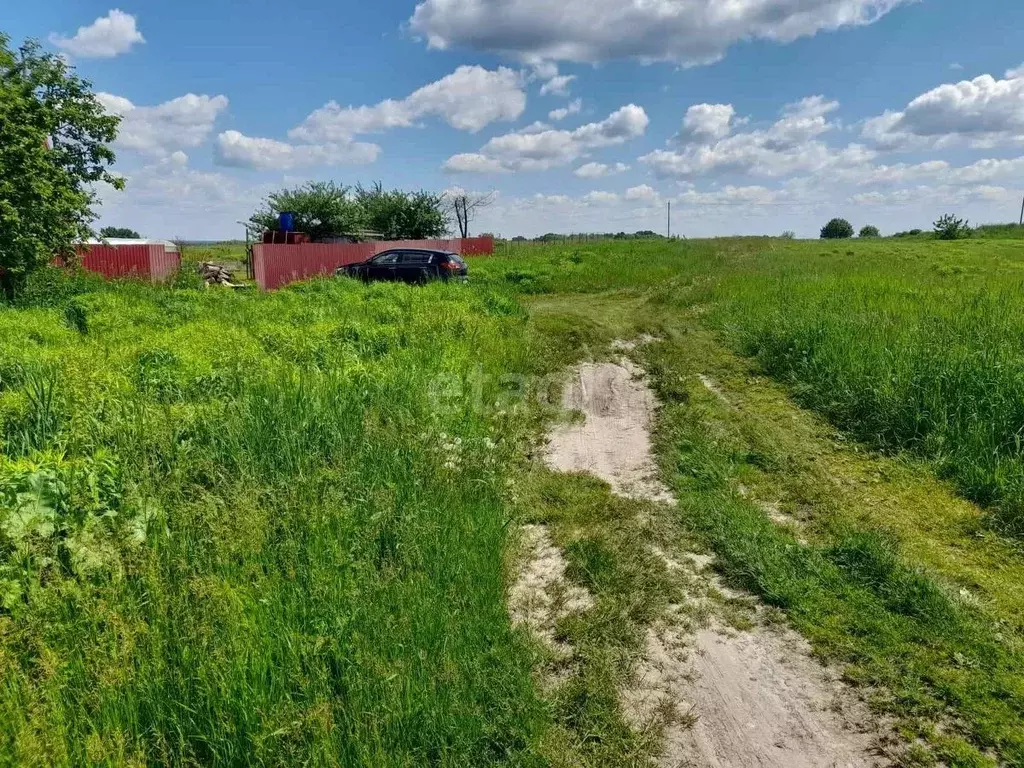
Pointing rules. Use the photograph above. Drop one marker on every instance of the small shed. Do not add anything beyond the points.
(130, 257)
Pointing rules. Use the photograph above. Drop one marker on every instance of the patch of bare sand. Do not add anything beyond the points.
(762, 700)
(613, 442)
(541, 594)
(720, 698)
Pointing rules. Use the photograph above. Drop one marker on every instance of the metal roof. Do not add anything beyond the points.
(115, 241)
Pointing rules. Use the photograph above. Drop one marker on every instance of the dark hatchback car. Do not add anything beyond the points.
(409, 266)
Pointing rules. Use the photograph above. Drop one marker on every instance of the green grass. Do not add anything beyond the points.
(898, 582)
(909, 346)
(999, 231)
(226, 536)
(948, 668)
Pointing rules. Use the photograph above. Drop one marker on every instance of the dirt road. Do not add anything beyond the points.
(754, 698)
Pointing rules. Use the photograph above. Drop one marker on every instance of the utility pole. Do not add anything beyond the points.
(1022, 212)
(669, 220)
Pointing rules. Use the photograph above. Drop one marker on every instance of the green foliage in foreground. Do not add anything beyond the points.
(923, 355)
(238, 529)
(929, 657)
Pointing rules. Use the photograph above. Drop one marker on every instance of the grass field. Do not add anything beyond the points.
(907, 345)
(239, 528)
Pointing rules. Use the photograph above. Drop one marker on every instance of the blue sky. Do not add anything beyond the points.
(756, 116)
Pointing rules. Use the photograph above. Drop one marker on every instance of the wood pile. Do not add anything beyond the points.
(215, 274)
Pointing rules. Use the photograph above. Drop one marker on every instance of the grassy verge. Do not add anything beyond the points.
(907, 345)
(950, 671)
(240, 529)
(881, 566)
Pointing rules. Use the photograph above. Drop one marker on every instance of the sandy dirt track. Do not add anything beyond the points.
(758, 697)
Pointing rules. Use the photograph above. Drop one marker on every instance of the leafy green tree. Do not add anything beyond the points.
(54, 146)
(399, 215)
(837, 229)
(869, 231)
(322, 209)
(949, 227)
(118, 232)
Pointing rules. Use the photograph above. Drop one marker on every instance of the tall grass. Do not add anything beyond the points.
(908, 345)
(929, 362)
(228, 534)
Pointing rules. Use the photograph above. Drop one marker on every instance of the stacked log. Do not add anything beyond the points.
(215, 274)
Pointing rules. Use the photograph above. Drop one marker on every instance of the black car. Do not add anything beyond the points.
(408, 265)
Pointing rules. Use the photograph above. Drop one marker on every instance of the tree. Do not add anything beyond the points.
(949, 227)
(118, 232)
(465, 206)
(869, 231)
(54, 146)
(837, 229)
(322, 209)
(398, 215)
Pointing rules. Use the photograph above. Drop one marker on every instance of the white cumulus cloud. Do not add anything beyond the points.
(236, 149)
(983, 112)
(468, 99)
(159, 130)
(105, 38)
(540, 150)
(686, 31)
(707, 122)
(789, 145)
(599, 170)
(557, 85)
(572, 108)
(600, 197)
(643, 194)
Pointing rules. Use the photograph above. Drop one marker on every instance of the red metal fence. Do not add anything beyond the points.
(150, 261)
(277, 265)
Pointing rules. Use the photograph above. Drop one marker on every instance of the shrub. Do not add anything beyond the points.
(949, 227)
(788, 235)
(869, 231)
(119, 232)
(837, 229)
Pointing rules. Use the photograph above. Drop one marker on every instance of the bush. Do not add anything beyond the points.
(949, 227)
(869, 231)
(837, 229)
(52, 286)
(119, 232)
(788, 235)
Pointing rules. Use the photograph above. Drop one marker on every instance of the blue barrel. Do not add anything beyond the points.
(286, 221)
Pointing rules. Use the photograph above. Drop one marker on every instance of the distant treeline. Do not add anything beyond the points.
(555, 237)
